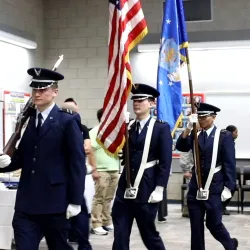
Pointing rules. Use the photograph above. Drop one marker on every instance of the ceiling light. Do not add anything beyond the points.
(17, 40)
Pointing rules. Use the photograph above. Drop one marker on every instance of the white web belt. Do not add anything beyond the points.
(131, 193)
(213, 168)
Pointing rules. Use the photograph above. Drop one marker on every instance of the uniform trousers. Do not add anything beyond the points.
(163, 206)
(29, 229)
(80, 229)
(212, 207)
(123, 214)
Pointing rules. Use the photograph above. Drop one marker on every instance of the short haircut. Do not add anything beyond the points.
(231, 128)
(54, 85)
(151, 99)
(99, 114)
(69, 105)
(70, 99)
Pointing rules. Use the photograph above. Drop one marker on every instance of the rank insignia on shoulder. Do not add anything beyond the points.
(223, 131)
(69, 111)
(161, 121)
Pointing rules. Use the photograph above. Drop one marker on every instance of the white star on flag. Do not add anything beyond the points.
(168, 21)
(161, 82)
(170, 84)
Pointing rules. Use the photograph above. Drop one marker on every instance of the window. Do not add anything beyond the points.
(197, 10)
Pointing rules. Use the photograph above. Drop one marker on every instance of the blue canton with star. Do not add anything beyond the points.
(116, 3)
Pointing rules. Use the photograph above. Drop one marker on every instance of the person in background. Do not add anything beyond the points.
(80, 224)
(233, 129)
(105, 186)
(71, 104)
(186, 163)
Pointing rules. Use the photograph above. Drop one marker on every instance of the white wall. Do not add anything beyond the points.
(212, 70)
(25, 16)
(222, 74)
(79, 30)
(14, 63)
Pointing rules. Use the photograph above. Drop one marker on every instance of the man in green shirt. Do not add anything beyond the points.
(105, 186)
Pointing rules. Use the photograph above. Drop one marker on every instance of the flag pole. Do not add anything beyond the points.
(196, 147)
(127, 163)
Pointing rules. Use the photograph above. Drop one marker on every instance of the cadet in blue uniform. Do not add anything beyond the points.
(149, 174)
(217, 159)
(52, 160)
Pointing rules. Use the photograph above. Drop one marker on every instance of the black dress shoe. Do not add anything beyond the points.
(236, 243)
(162, 220)
(226, 212)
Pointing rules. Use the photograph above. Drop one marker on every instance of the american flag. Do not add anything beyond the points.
(127, 27)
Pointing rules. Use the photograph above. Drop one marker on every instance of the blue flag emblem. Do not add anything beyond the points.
(172, 55)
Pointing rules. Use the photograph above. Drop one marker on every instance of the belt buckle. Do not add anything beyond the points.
(131, 193)
(202, 195)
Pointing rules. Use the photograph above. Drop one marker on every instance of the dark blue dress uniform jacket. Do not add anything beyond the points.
(226, 158)
(52, 163)
(160, 149)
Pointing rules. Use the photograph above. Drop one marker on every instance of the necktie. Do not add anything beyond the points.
(39, 124)
(137, 129)
(205, 136)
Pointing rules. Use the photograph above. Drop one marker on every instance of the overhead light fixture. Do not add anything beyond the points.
(148, 47)
(200, 46)
(17, 40)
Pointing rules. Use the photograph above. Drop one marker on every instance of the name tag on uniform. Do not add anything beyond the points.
(202, 195)
(131, 193)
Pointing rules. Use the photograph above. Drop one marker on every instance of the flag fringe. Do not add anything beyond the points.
(177, 124)
(138, 39)
(115, 154)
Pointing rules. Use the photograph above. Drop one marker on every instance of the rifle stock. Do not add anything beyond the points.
(9, 149)
(23, 116)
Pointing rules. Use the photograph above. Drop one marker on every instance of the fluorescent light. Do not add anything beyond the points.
(222, 45)
(148, 47)
(17, 40)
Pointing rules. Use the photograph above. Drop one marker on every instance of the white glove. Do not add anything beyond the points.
(120, 154)
(4, 161)
(72, 210)
(2, 186)
(127, 116)
(157, 195)
(226, 194)
(191, 120)
(89, 169)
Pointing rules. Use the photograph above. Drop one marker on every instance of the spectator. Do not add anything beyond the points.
(105, 186)
(233, 129)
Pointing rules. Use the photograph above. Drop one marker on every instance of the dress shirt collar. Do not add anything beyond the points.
(209, 130)
(46, 112)
(143, 122)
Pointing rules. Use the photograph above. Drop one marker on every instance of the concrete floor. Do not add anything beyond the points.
(176, 233)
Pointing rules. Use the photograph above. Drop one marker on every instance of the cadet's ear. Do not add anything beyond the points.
(55, 92)
(151, 102)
